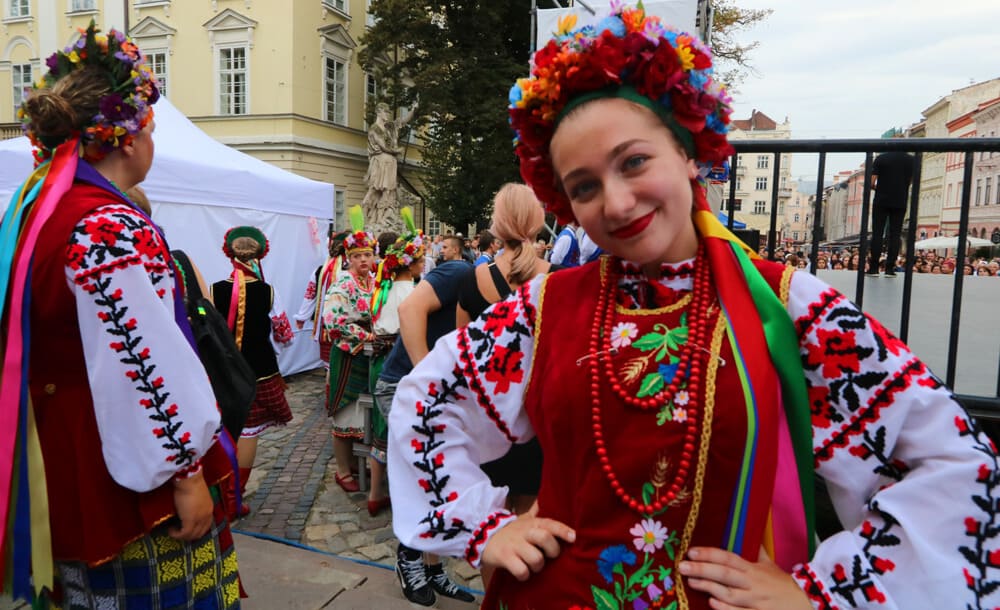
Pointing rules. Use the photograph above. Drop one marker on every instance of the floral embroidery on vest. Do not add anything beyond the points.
(634, 582)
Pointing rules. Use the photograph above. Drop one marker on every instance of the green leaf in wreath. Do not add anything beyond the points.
(651, 384)
(604, 600)
(649, 342)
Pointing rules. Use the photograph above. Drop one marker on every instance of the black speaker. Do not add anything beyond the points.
(750, 237)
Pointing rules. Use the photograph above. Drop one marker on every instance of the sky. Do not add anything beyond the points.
(856, 68)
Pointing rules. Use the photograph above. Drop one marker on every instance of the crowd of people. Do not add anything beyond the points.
(639, 421)
(847, 259)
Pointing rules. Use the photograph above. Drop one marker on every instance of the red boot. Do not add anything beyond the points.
(244, 477)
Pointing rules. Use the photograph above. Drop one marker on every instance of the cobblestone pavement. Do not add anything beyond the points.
(292, 493)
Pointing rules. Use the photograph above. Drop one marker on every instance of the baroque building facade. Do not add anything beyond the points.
(277, 80)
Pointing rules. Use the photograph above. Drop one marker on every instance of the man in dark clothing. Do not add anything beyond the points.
(891, 176)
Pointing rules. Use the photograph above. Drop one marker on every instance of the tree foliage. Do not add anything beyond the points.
(733, 58)
(457, 59)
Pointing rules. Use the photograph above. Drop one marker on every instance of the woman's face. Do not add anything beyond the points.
(627, 180)
(821, 263)
(361, 262)
(984, 270)
(967, 270)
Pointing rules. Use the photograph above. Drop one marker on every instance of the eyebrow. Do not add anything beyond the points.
(617, 150)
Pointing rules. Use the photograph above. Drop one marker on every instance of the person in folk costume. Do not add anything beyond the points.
(313, 299)
(684, 392)
(347, 318)
(396, 278)
(259, 325)
(111, 446)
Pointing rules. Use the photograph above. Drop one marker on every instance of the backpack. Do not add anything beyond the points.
(233, 381)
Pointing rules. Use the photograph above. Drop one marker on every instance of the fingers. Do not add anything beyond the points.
(716, 572)
(190, 530)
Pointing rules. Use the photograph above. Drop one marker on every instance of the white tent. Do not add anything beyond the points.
(199, 188)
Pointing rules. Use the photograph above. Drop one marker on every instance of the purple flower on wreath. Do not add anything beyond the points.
(52, 62)
(125, 58)
(612, 556)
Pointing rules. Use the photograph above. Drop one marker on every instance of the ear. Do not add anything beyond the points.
(692, 169)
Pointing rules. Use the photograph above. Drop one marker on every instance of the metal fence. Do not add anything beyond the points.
(984, 407)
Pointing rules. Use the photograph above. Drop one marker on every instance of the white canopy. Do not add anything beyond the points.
(200, 188)
(946, 243)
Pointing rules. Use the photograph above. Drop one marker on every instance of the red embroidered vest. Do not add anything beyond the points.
(92, 517)
(623, 559)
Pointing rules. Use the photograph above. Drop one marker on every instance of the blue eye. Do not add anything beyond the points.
(634, 162)
(583, 189)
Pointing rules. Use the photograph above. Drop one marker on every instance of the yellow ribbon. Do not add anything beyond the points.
(41, 534)
(709, 226)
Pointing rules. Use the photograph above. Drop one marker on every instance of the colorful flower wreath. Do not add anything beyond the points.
(668, 71)
(124, 112)
(264, 246)
(358, 240)
(410, 246)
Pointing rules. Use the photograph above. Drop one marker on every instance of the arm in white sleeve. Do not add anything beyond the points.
(913, 480)
(460, 407)
(155, 410)
(307, 309)
(560, 249)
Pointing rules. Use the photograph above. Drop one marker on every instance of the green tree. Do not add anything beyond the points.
(456, 59)
(733, 58)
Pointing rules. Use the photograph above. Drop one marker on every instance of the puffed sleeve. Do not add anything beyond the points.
(460, 407)
(155, 410)
(308, 306)
(913, 480)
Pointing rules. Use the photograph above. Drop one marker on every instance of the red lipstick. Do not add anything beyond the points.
(633, 228)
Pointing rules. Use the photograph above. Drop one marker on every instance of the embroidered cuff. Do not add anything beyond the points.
(813, 587)
(188, 472)
(474, 552)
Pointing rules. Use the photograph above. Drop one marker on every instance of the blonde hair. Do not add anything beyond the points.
(246, 249)
(138, 196)
(517, 219)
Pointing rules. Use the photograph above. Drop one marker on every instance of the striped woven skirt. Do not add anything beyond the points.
(158, 573)
(269, 408)
(348, 379)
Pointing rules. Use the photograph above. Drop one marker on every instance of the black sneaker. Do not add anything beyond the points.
(413, 577)
(444, 586)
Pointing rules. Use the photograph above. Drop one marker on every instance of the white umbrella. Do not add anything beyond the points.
(941, 243)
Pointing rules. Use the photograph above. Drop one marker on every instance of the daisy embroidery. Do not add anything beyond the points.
(680, 414)
(649, 535)
(682, 398)
(623, 334)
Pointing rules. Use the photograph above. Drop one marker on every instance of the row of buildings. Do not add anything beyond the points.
(278, 80)
(970, 112)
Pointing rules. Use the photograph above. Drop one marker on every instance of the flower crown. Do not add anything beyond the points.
(405, 250)
(668, 71)
(360, 240)
(245, 231)
(124, 112)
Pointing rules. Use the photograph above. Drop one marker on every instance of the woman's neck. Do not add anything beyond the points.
(114, 171)
(404, 275)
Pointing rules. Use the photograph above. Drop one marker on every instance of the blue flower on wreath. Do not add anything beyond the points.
(667, 371)
(612, 556)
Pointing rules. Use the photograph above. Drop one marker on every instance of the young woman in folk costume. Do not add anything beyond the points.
(394, 281)
(259, 323)
(347, 318)
(110, 429)
(313, 299)
(684, 392)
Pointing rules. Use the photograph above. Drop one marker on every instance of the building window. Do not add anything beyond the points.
(338, 5)
(339, 209)
(759, 207)
(371, 96)
(737, 205)
(433, 227)
(979, 191)
(761, 184)
(19, 8)
(20, 76)
(157, 61)
(83, 5)
(796, 218)
(986, 193)
(763, 161)
(233, 80)
(997, 200)
(335, 89)
(795, 236)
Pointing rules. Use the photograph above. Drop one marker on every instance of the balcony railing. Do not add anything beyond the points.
(10, 130)
(983, 406)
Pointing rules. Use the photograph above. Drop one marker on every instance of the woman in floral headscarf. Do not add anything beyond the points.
(684, 392)
(347, 319)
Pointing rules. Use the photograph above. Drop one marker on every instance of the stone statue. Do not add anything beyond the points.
(380, 204)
